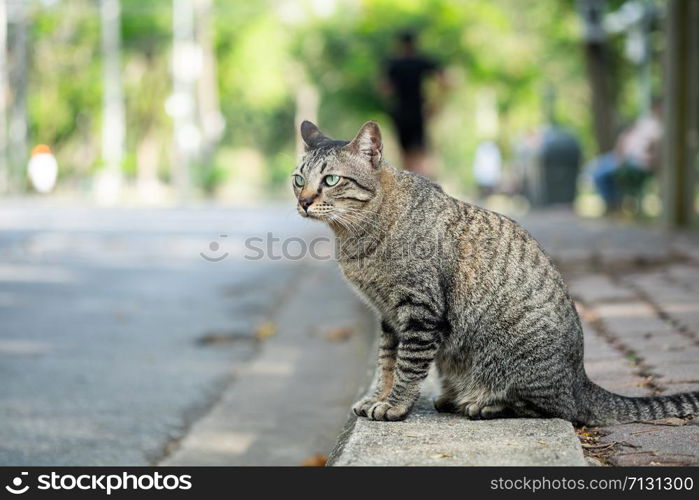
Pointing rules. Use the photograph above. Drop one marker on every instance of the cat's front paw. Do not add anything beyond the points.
(361, 407)
(386, 411)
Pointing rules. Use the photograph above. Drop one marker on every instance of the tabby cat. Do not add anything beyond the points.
(459, 285)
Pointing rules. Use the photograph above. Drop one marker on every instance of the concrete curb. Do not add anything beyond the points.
(428, 438)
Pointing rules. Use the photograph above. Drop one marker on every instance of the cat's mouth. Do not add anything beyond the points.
(321, 213)
(311, 214)
(324, 217)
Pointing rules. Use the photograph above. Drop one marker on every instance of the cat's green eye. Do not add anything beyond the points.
(299, 181)
(331, 180)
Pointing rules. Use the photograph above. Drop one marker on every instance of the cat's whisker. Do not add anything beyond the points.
(364, 214)
(358, 223)
(354, 223)
(363, 219)
(339, 219)
(354, 229)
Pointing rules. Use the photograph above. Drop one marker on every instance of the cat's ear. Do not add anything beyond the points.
(368, 143)
(312, 135)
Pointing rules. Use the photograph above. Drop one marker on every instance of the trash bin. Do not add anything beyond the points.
(559, 164)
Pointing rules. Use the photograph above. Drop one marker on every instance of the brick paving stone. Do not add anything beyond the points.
(611, 257)
(608, 369)
(631, 329)
(625, 310)
(671, 296)
(594, 288)
(597, 348)
(651, 279)
(645, 444)
(670, 388)
(619, 381)
(686, 317)
(660, 358)
(647, 346)
(687, 245)
(679, 372)
(661, 288)
(627, 386)
(686, 275)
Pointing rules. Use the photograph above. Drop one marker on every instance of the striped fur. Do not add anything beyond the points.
(460, 286)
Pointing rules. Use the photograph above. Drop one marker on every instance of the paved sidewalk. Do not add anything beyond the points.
(638, 293)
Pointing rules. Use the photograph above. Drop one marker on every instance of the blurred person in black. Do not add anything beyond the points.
(404, 77)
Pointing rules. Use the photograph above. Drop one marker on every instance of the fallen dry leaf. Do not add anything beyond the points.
(265, 330)
(670, 421)
(339, 334)
(216, 337)
(315, 461)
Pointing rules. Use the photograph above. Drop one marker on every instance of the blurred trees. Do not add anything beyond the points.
(501, 55)
(65, 84)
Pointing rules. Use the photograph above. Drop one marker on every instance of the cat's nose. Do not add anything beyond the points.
(305, 203)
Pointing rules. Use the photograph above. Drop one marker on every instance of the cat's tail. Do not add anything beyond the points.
(601, 407)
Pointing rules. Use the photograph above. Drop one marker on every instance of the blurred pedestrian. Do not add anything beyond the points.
(635, 158)
(405, 74)
(487, 168)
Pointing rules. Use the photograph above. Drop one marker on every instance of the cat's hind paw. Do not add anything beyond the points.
(476, 412)
(445, 405)
(386, 411)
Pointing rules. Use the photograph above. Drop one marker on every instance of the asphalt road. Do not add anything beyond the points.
(102, 316)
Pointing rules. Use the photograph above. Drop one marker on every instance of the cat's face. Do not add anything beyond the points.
(337, 181)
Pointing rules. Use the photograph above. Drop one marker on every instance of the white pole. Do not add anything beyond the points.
(113, 113)
(186, 67)
(211, 119)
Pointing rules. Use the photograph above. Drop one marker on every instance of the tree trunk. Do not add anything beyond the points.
(681, 131)
(17, 131)
(603, 105)
(599, 73)
(4, 91)
(210, 118)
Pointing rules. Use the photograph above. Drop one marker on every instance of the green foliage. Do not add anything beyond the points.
(64, 99)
